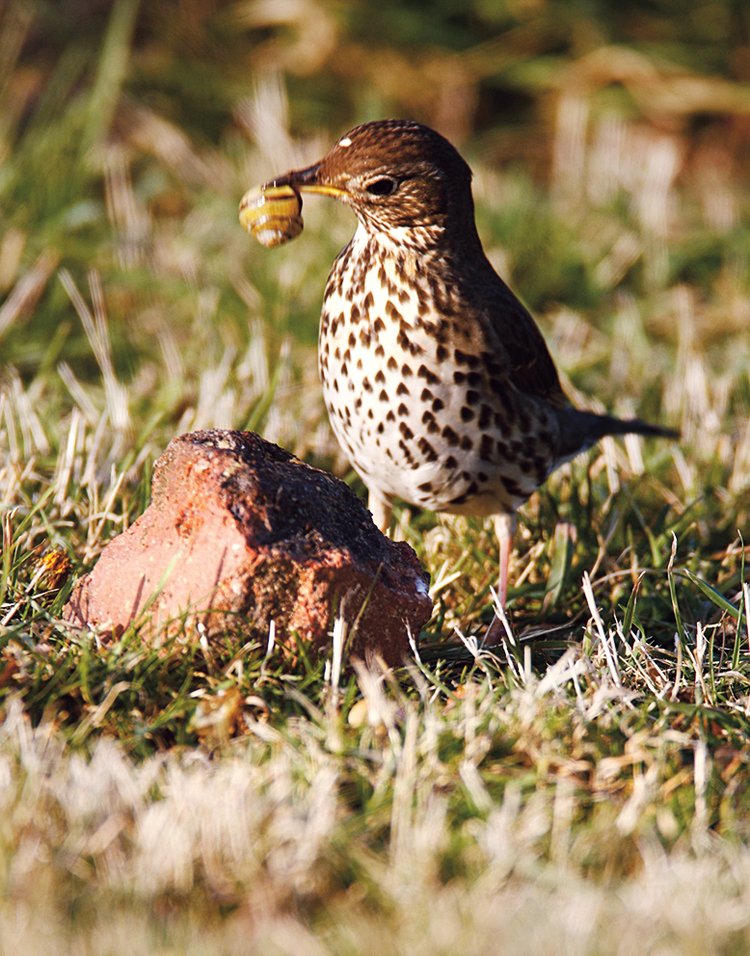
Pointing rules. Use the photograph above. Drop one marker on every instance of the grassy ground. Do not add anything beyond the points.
(585, 790)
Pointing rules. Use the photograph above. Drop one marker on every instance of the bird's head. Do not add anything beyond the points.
(397, 175)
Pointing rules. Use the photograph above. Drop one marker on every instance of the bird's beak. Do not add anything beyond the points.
(273, 212)
(309, 180)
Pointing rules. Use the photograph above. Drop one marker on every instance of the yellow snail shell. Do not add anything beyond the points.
(273, 214)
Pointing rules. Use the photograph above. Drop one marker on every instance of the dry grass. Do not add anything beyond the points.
(429, 829)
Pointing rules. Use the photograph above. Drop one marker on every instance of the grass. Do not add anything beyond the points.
(585, 790)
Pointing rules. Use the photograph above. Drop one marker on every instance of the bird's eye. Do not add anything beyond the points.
(385, 186)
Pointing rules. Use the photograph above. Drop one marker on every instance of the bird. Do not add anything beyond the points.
(438, 383)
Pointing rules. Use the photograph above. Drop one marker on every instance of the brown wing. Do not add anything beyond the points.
(514, 337)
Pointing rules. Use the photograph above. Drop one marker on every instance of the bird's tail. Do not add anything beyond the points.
(580, 430)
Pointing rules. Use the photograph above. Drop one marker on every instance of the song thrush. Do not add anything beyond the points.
(437, 381)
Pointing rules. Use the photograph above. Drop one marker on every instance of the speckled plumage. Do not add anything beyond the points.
(437, 381)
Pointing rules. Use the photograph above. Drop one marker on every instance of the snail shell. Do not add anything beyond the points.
(273, 214)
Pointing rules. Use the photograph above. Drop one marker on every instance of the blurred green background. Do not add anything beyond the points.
(492, 68)
(480, 66)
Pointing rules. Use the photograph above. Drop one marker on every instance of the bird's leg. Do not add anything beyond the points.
(380, 508)
(505, 525)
